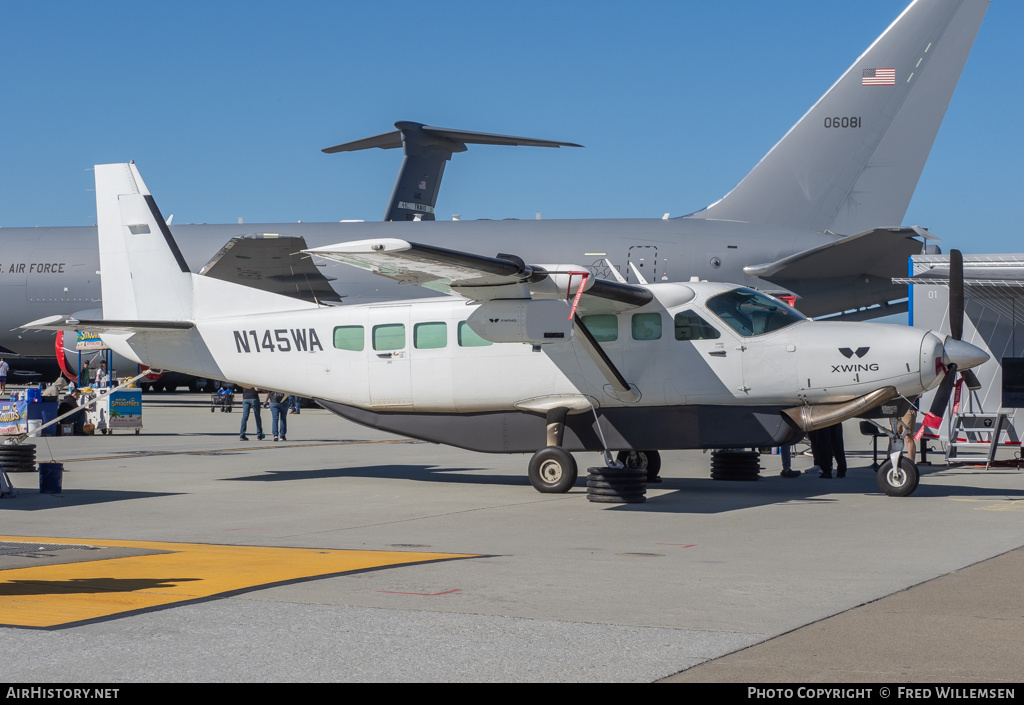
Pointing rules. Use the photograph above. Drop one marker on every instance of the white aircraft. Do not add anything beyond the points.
(528, 358)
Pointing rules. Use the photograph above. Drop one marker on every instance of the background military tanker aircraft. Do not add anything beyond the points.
(527, 358)
(818, 217)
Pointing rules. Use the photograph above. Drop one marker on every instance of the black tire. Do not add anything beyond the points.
(649, 460)
(18, 458)
(552, 470)
(901, 483)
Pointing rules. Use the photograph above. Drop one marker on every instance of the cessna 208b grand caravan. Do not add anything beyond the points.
(526, 358)
(818, 217)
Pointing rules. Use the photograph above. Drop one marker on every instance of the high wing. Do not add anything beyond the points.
(482, 278)
(509, 290)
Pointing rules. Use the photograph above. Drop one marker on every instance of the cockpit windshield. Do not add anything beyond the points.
(750, 312)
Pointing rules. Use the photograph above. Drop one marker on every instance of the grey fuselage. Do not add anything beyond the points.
(46, 271)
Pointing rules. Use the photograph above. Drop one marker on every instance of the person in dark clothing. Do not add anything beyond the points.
(278, 413)
(77, 420)
(251, 400)
(827, 445)
(838, 448)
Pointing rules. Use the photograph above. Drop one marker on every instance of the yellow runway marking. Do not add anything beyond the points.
(57, 595)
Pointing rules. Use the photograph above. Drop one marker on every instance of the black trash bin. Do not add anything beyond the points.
(51, 477)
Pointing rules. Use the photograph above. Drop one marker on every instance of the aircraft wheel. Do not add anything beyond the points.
(649, 460)
(899, 482)
(552, 470)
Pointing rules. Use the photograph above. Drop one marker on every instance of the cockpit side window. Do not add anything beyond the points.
(750, 312)
(690, 326)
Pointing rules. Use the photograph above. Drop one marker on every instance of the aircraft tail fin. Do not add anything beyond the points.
(144, 275)
(426, 151)
(853, 160)
(146, 283)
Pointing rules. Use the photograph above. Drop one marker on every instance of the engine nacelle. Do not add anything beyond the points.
(523, 321)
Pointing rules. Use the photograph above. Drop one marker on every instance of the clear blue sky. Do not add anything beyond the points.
(225, 106)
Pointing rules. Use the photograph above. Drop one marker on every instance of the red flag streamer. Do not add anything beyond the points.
(579, 291)
(930, 421)
(956, 395)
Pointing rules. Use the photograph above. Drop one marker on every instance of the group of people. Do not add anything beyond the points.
(279, 405)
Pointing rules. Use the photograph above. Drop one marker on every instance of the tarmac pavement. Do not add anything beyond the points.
(779, 580)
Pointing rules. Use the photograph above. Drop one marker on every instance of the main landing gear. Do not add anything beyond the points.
(554, 470)
(648, 460)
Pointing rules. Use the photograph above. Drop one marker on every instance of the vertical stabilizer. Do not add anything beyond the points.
(144, 275)
(853, 160)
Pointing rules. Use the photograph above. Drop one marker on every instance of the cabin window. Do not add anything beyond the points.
(469, 339)
(690, 326)
(750, 312)
(349, 338)
(604, 327)
(430, 336)
(646, 326)
(390, 336)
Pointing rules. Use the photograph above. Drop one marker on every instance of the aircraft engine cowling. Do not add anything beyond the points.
(931, 360)
(523, 321)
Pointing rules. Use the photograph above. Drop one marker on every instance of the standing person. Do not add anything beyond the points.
(102, 376)
(838, 448)
(294, 402)
(787, 462)
(278, 412)
(251, 400)
(4, 369)
(821, 447)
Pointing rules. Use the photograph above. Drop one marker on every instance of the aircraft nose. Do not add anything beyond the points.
(963, 354)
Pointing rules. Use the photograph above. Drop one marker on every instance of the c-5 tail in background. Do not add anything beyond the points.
(426, 151)
(852, 162)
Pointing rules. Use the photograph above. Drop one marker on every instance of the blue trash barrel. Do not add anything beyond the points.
(51, 477)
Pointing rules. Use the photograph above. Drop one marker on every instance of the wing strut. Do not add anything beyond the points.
(622, 388)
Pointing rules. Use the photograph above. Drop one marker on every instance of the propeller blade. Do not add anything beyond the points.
(971, 380)
(956, 294)
(941, 400)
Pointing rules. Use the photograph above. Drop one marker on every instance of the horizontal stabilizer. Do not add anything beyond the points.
(393, 139)
(881, 252)
(102, 325)
(271, 263)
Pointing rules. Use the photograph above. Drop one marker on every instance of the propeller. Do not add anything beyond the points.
(953, 344)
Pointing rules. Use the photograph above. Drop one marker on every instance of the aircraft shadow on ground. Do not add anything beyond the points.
(23, 588)
(29, 500)
(418, 473)
(706, 496)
